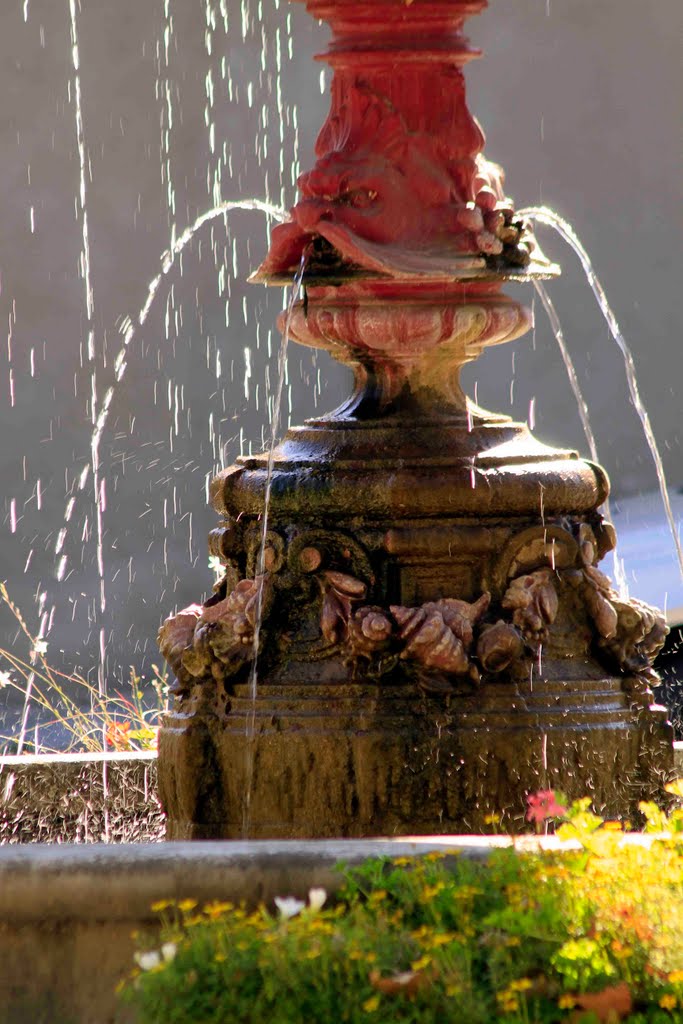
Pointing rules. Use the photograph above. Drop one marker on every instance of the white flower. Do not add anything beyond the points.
(5, 679)
(40, 647)
(168, 951)
(316, 898)
(289, 906)
(148, 960)
(216, 567)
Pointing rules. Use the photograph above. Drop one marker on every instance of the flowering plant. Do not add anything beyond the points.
(87, 720)
(586, 933)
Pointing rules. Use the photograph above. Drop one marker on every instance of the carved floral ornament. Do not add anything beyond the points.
(440, 641)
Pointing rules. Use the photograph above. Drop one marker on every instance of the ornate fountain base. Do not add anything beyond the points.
(357, 759)
(436, 643)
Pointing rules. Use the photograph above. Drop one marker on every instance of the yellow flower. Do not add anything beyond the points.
(160, 905)
(492, 819)
(185, 906)
(217, 908)
(371, 1004)
(508, 1002)
(520, 985)
(675, 787)
(430, 891)
(377, 896)
(668, 1002)
(675, 977)
(419, 965)
(435, 855)
(620, 951)
(513, 940)
(566, 1002)
(401, 862)
(220, 958)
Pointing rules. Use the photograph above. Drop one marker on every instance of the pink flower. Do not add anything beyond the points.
(543, 805)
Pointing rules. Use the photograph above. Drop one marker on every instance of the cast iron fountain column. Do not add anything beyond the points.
(437, 640)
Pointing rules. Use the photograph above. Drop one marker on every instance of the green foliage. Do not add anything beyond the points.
(590, 932)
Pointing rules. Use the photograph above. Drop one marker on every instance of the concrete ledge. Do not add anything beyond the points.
(67, 912)
(97, 882)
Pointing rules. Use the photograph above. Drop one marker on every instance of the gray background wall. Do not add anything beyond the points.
(581, 102)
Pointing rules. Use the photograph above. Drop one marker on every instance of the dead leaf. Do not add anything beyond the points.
(609, 1006)
(406, 983)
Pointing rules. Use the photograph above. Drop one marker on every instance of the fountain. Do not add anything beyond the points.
(411, 632)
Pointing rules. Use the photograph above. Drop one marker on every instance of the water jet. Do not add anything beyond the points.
(434, 637)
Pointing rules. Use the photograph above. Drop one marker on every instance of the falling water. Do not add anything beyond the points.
(129, 327)
(569, 365)
(543, 215)
(542, 292)
(167, 120)
(261, 561)
(98, 481)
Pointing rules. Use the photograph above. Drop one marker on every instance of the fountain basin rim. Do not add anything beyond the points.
(104, 882)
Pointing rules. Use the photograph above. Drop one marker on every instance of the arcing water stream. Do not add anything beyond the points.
(542, 215)
(542, 292)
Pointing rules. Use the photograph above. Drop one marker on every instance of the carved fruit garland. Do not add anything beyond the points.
(215, 639)
(445, 638)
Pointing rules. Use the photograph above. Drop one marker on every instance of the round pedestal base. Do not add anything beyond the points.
(356, 760)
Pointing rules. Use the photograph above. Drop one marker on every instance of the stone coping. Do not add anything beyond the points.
(104, 882)
(19, 760)
(110, 757)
